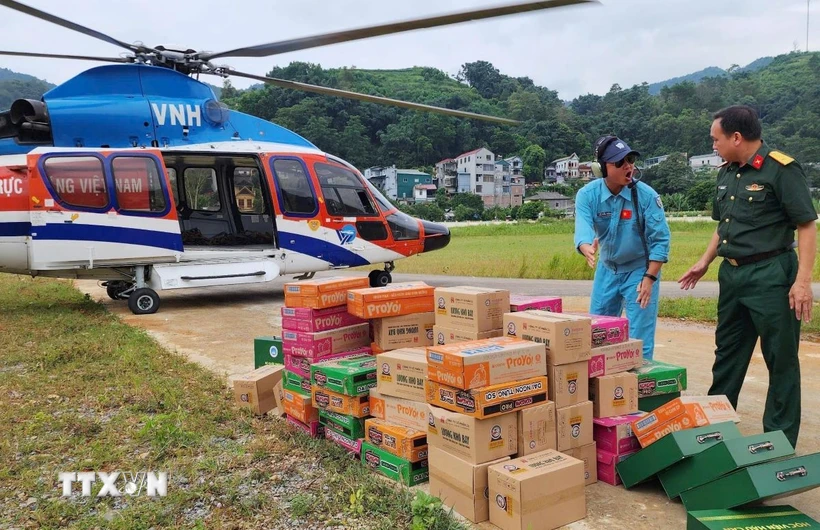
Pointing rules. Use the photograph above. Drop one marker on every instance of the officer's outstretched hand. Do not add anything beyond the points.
(695, 273)
(801, 300)
(589, 252)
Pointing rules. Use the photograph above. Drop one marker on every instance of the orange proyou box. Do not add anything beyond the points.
(299, 406)
(685, 412)
(321, 293)
(403, 442)
(356, 406)
(479, 363)
(390, 301)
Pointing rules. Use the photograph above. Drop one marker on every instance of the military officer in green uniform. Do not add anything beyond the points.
(761, 198)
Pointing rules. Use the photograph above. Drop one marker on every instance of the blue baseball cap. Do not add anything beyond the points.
(617, 151)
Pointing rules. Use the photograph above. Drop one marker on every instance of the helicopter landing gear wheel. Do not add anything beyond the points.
(379, 278)
(143, 301)
(115, 289)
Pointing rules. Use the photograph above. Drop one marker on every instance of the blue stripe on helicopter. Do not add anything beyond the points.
(335, 254)
(109, 234)
(14, 229)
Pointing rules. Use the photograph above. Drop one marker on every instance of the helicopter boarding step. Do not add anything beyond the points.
(184, 275)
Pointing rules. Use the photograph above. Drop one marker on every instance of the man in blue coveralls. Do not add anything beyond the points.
(625, 219)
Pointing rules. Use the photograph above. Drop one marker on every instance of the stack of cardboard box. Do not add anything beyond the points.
(317, 327)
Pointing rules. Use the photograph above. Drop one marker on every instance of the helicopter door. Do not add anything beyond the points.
(252, 206)
(111, 209)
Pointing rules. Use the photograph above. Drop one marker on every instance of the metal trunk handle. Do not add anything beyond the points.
(754, 448)
(796, 472)
(703, 438)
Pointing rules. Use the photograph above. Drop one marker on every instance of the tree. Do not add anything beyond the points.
(534, 159)
(530, 210)
(469, 200)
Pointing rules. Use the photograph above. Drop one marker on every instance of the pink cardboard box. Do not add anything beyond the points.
(615, 358)
(314, 430)
(606, 466)
(322, 344)
(354, 446)
(607, 330)
(614, 435)
(309, 320)
(301, 365)
(522, 302)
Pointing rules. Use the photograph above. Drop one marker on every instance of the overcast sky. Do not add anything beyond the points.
(574, 50)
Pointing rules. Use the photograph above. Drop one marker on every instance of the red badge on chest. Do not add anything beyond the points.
(626, 214)
(757, 161)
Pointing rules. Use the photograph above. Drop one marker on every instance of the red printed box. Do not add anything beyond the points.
(301, 365)
(614, 435)
(523, 302)
(309, 320)
(606, 466)
(616, 358)
(607, 330)
(324, 343)
(314, 429)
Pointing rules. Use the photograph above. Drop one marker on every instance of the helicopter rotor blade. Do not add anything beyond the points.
(274, 48)
(61, 56)
(48, 17)
(295, 85)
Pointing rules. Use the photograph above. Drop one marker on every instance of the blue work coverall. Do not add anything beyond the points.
(622, 260)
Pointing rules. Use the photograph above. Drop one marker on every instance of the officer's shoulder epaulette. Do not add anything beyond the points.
(782, 158)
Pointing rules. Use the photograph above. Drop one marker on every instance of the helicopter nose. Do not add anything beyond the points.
(436, 236)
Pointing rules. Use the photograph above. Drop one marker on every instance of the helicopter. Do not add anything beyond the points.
(134, 174)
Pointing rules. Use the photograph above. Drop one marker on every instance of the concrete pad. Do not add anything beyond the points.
(216, 327)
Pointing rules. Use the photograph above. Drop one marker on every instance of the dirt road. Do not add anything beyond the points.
(216, 327)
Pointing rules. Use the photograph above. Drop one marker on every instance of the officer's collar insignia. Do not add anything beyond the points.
(757, 162)
(754, 187)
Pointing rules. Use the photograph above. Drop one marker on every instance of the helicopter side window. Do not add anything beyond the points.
(137, 183)
(201, 190)
(344, 192)
(247, 189)
(403, 226)
(172, 179)
(77, 181)
(294, 187)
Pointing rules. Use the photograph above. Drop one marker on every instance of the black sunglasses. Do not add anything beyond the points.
(628, 158)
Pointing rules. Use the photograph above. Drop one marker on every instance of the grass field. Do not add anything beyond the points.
(546, 250)
(83, 392)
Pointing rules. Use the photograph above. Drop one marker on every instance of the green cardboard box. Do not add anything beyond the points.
(391, 466)
(723, 458)
(655, 378)
(354, 376)
(763, 517)
(267, 350)
(348, 425)
(759, 482)
(296, 383)
(650, 403)
(671, 449)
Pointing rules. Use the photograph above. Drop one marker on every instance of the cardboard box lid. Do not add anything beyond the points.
(758, 482)
(350, 365)
(672, 448)
(538, 464)
(469, 289)
(417, 355)
(615, 421)
(393, 291)
(722, 458)
(323, 285)
(475, 347)
(754, 517)
(261, 373)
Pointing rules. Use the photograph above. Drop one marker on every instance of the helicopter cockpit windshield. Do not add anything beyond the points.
(344, 192)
